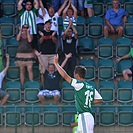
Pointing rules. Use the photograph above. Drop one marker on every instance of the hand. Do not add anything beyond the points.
(37, 53)
(40, 33)
(56, 58)
(70, 22)
(118, 59)
(68, 55)
(28, 30)
(7, 56)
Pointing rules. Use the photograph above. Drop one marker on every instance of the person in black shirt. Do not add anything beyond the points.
(70, 46)
(51, 81)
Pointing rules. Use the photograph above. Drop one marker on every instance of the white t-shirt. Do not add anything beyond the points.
(2, 75)
(54, 20)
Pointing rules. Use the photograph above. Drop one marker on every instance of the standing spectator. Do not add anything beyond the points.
(4, 95)
(56, 4)
(129, 71)
(115, 18)
(24, 57)
(51, 14)
(28, 16)
(48, 44)
(85, 96)
(51, 82)
(89, 5)
(69, 13)
(70, 46)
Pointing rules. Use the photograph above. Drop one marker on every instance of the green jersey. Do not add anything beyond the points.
(131, 53)
(84, 95)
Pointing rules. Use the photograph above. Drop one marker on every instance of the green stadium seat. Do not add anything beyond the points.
(98, 9)
(125, 115)
(128, 6)
(124, 91)
(30, 95)
(32, 84)
(123, 46)
(13, 73)
(107, 116)
(51, 116)
(128, 32)
(130, 19)
(90, 67)
(107, 91)
(105, 69)
(7, 27)
(105, 48)
(109, 5)
(65, 84)
(86, 45)
(60, 25)
(91, 83)
(67, 113)
(1, 116)
(122, 65)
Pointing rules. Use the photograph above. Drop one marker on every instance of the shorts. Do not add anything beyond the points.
(79, 4)
(85, 123)
(88, 5)
(114, 26)
(2, 94)
(49, 93)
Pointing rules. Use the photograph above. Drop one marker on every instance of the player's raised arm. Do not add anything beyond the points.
(61, 71)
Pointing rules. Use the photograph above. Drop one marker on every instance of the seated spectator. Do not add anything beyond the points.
(48, 41)
(115, 18)
(89, 5)
(74, 124)
(4, 95)
(69, 45)
(51, 82)
(28, 16)
(51, 14)
(69, 13)
(129, 71)
(24, 57)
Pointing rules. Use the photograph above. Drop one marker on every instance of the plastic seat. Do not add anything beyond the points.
(81, 27)
(60, 25)
(36, 73)
(32, 115)
(128, 32)
(90, 67)
(1, 118)
(8, 8)
(32, 84)
(123, 46)
(109, 5)
(124, 91)
(107, 116)
(7, 27)
(13, 73)
(105, 69)
(128, 6)
(130, 19)
(105, 48)
(51, 116)
(98, 9)
(95, 27)
(86, 45)
(122, 65)
(91, 83)
(107, 91)
(125, 115)
(67, 112)
(30, 95)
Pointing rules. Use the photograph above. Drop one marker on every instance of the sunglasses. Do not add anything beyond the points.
(25, 27)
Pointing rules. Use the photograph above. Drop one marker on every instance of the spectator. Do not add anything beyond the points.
(70, 46)
(129, 71)
(89, 5)
(48, 44)
(28, 16)
(51, 83)
(69, 13)
(56, 4)
(85, 96)
(24, 57)
(74, 123)
(4, 95)
(115, 18)
(54, 16)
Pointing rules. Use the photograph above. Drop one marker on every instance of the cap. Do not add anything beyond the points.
(47, 20)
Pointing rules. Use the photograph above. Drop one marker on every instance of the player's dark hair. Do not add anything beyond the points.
(81, 71)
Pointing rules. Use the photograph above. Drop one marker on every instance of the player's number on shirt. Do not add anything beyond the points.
(89, 98)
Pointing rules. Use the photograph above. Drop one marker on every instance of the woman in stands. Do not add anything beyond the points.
(24, 57)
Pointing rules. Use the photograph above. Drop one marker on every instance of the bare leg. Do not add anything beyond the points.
(4, 99)
(29, 68)
(120, 31)
(56, 99)
(106, 31)
(42, 99)
(22, 77)
(126, 74)
(90, 12)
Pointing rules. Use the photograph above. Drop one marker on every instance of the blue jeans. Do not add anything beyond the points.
(56, 4)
